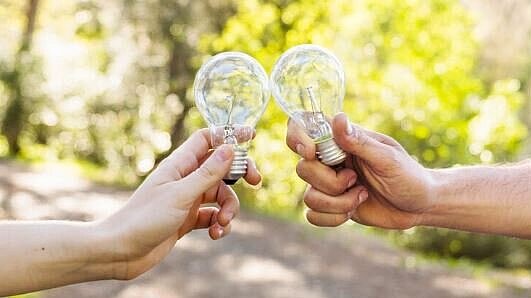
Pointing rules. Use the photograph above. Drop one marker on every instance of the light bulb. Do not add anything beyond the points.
(308, 82)
(231, 92)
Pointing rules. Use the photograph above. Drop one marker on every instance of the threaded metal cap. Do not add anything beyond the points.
(329, 152)
(238, 167)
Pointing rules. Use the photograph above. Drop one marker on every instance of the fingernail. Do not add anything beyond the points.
(224, 152)
(230, 215)
(300, 149)
(351, 182)
(349, 131)
(349, 215)
(363, 196)
(221, 232)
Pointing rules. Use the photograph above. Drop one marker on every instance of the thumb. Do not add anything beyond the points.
(210, 173)
(356, 141)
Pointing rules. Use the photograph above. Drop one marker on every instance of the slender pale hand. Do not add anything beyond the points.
(44, 254)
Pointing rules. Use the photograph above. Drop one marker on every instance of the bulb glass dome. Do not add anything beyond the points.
(231, 92)
(231, 89)
(308, 82)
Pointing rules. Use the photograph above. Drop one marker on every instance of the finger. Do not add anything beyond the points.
(326, 219)
(216, 231)
(252, 176)
(321, 202)
(206, 156)
(299, 142)
(324, 178)
(229, 203)
(375, 213)
(371, 213)
(206, 217)
(183, 160)
(357, 141)
(382, 138)
(208, 175)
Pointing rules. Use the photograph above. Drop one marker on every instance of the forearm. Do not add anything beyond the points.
(47, 254)
(494, 200)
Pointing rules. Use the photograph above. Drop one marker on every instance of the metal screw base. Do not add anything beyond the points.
(238, 167)
(329, 153)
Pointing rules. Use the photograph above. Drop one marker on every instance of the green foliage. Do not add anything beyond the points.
(21, 81)
(495, 250)
(410, 68)
(108, 84)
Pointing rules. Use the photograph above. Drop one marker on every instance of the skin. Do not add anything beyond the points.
(382, 185)
(163, 209)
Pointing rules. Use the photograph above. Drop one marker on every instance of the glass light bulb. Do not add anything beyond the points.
(308, 82)
(231, 92)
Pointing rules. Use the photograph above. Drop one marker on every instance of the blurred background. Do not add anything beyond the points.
(104, 87)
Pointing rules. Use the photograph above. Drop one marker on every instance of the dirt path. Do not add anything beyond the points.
(263, 257)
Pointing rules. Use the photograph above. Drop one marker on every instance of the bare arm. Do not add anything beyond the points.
(483, 199)
(45, 254)
(38, 255)
(394, 191)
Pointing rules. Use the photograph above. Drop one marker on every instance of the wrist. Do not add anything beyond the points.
(104, 254)
(117, 249)
(114, 251)
(436, 196)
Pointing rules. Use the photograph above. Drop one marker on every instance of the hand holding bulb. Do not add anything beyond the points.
(231, 92)
(308, 82)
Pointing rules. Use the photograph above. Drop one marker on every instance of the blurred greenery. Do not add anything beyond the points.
(107, 84)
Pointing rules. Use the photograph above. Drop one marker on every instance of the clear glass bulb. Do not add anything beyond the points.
(308, 82)
(231, 92)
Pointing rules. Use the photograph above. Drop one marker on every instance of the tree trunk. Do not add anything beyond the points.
(15, 116)
(31, 16)
(179, 73)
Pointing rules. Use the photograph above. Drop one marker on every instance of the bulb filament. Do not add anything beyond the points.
(230, 100)
(315, 107)
(229, 129)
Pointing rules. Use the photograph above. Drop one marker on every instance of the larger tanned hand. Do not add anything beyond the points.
(380, 185)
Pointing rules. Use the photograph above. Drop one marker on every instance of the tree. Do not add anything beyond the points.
(178, 25)
(411, 72)
(16, 111)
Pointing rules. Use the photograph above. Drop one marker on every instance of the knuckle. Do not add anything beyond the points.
(322, 204)
(362, 138)
(310, 218)
(205, 171)
(199, 133)
(308, 200)
(393, 159)
(202, 131)
(335, 188)
(301, 169)
(351, 205)
(395, 156)
(339, 219)
(290, 137)
(311, 199)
